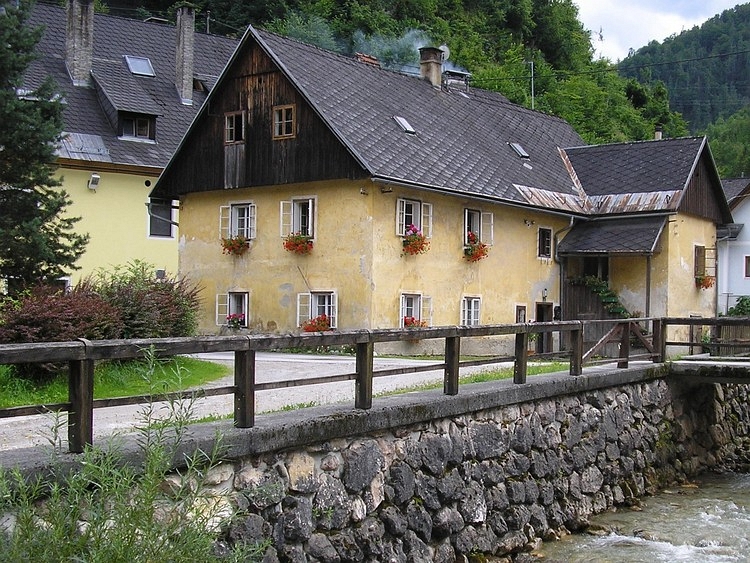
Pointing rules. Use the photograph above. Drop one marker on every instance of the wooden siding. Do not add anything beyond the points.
(256, 85)
(700, 198)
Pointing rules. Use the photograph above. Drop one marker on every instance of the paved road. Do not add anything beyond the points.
(270, 366)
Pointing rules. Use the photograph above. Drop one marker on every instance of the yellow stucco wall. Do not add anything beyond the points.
(358, 254)
(116, 218)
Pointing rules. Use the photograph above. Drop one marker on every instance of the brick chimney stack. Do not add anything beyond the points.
(431, 65)
(185, 54)
(79, 41)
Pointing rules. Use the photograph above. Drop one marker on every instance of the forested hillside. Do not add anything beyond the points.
(706, 69)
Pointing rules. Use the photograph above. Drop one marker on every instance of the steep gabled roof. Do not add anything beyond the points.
(92, 137)
(461, 137)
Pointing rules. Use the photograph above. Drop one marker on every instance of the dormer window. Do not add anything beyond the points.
(283, 122)
(234, 127)
(140, 66)
(138, 127)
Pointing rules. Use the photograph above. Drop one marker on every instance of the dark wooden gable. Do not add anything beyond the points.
(255, 85)
(704, 196)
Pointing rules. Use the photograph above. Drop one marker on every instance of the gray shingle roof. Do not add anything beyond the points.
(733, 187)
(625, 235)
(115, 37)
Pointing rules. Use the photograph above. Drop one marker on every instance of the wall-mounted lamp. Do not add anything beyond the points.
(94, 182)
(363, 191)
(528, 223)
(544, 294)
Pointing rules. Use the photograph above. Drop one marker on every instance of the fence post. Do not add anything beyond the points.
(244, 393)
(521, 362)
(660, 340)
(452, 360)
(624, 345)
(576, 350)
(81, 397)
(363, 383)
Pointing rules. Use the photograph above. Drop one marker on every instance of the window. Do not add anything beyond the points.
(283, 122)
(140, 65)
(700, 260)
(415, 308)
(137, 127)
(315, 304)
(298, 216)
(470, 311)
(747, 266)
(481, 224)
(545, 243)
(520, 313)
(232, 303)
(234, 127)
(412, 212)
(160, 218)
(237, 220)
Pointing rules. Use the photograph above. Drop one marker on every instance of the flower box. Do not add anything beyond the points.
(414, 241)
(475, 250)
(236, 321)
(234, 245)
(321, 323)
(704, 282)
(298, 243)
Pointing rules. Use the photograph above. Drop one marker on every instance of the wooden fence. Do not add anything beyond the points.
(81, 355)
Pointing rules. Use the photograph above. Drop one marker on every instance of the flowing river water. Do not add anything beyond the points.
(704, 522)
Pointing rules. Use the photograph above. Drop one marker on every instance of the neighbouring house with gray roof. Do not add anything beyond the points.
(734, 246)
(509, 208)
(130, 89)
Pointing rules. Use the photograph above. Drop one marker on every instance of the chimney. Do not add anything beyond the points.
(658, 134)
(431, 65)
(185, 53)
(79, 41)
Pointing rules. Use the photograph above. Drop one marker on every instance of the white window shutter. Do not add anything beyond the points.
(402, 313)
(426, 313)
(400, 217)
(427, 220)
(488, 228)
(286, 225)
(222, 308)
(253, 220)
(464, 311)
(334, 310)
(303, 308)
(224, 221)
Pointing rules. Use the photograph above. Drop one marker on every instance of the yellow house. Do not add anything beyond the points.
(318, 190)
(130, 90)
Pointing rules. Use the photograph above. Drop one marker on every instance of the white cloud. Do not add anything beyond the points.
(637, 23)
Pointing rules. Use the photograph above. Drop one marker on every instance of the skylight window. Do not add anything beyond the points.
(140, 65)
(520, 151)
(405, 125)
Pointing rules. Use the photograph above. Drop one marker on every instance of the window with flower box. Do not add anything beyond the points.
(470, 307)
(238, 220)
(298, 216)
(284, 121)
(412, 212)
(232, 308)
(316, 304)
(416, 310)
(479, 223)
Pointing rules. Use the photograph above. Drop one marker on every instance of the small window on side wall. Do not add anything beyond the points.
(238, 220)
(480, 224)
(416, 310)
(232, 309)
(413, 212)
(544, 243)
(699, 264)
(298, 216)
(470, 307)
(234, 127)
(322, 305)
(747, 266)
(284, 121)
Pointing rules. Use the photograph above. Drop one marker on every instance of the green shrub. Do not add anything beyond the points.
(741, 308)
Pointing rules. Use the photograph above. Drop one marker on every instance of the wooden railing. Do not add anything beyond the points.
(82, 354)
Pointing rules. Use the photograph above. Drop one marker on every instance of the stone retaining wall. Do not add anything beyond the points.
(493, 481)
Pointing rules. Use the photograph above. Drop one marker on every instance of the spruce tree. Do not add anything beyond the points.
(38, 243)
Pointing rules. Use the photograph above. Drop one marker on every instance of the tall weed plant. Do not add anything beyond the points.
(111, 510)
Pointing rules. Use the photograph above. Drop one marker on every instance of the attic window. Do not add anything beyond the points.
(520, 151)
(405, 125)
(140, 65)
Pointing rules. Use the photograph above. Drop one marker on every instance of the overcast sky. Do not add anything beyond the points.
(636, 23)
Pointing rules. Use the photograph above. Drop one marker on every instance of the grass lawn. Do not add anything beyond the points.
(114, 379)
